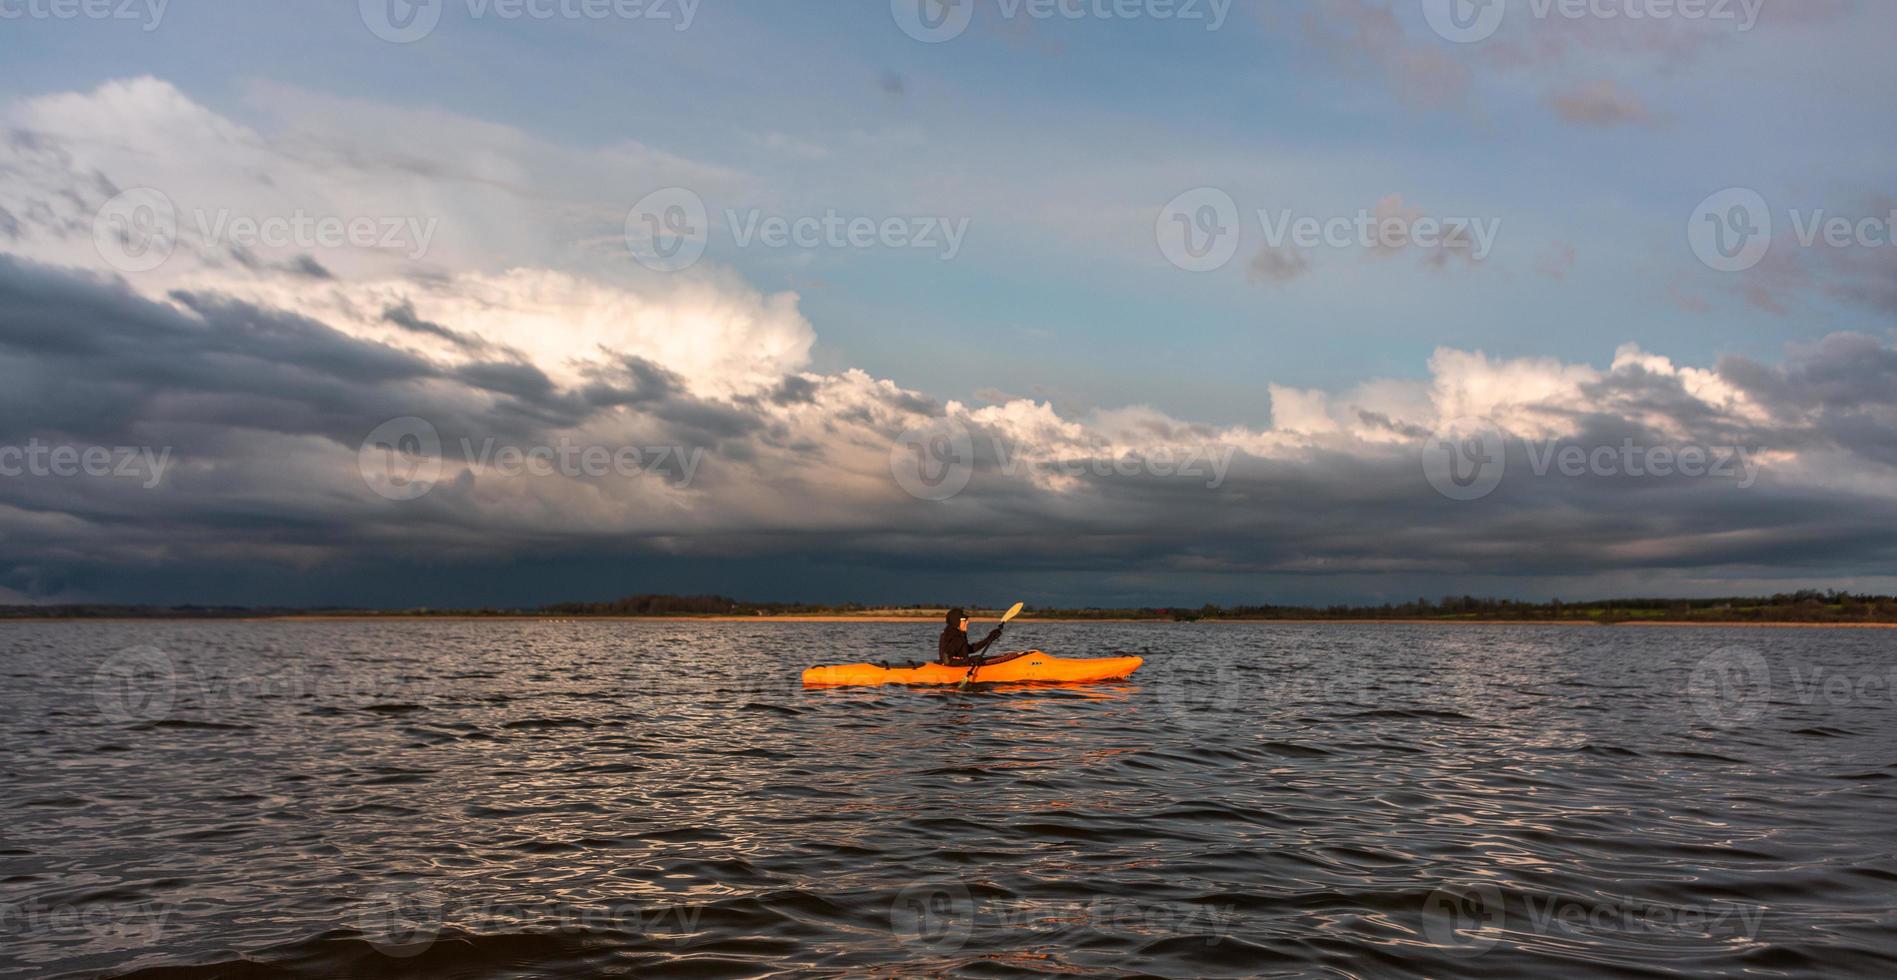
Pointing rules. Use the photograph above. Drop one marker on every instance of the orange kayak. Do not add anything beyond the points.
(1032, 667)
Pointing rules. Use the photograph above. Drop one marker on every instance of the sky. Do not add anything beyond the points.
(1088, 302)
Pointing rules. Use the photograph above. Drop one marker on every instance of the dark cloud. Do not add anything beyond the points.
(1278, 266)
(912, 403)
(1378, 420)
(795, 390)
(308, 268)
(704, 422)
(403, 315)
(637, 382)
(523, 381)
(264, 412)
(1842, 372)
(301, 266)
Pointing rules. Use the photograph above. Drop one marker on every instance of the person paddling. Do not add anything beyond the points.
(954, 649)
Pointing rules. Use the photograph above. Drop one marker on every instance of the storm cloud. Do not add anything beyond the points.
(600, 420)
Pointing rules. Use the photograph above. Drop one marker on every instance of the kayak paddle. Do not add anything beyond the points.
(1013, 611)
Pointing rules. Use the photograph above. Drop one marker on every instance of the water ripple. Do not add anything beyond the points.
(468, 799)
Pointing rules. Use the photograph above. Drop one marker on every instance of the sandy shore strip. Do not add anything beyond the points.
(936, 621)
(915, 620)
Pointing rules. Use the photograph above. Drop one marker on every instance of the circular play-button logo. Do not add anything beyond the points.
(1465, 920)
(1465, 459)
(136, 684)
(402, 920)
(933, 460)
(933, 21)
(401, 21)
(1731, 231)
(1198, 231)
(136, 230)
(401, 458)
(1730, 686)
(668, 229)
(936, 916)
(1465, 21)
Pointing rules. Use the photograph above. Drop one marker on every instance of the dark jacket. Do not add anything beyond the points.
(955, 650)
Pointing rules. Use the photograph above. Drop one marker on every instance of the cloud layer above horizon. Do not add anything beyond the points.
(499, 304)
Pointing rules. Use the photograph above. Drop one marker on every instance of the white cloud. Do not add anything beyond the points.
(268, 409)
(505, 224)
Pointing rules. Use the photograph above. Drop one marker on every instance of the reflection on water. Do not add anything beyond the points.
(500, 799)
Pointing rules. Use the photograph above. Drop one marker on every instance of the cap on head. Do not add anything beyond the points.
(956, 615)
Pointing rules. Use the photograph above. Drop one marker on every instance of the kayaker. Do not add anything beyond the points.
(954, 649)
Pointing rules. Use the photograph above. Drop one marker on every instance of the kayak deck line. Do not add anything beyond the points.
(1024, 667)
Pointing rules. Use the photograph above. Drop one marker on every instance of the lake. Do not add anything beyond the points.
(501, 799)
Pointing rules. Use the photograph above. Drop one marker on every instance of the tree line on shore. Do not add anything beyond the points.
(1804, 606)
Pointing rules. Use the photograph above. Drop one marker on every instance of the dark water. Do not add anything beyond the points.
(573, 799)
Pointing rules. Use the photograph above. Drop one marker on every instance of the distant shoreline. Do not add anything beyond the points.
(933, 621)
(918, 620)
(1806, 608)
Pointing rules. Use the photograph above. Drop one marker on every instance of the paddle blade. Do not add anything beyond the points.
(1013, 611)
